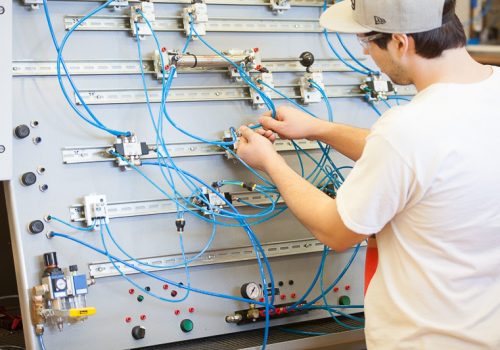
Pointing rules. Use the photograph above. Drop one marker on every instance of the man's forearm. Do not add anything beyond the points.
(314, 209)
(348, 140)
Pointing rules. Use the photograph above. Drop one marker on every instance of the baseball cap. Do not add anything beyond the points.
(385, 16)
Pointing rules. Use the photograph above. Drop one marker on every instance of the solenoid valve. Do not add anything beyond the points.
(377, 88)
(139, 16)
(130, 151)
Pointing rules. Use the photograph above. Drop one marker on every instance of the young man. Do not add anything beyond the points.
(426, 181)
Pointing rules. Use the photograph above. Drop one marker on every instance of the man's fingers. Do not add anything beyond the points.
(246, 132)
(269, 123)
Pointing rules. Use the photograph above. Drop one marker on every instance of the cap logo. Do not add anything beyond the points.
(353, 4)
(379, 20)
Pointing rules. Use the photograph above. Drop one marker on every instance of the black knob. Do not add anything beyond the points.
(138, 332)
(22, 131)
(28, 179)
(36, 226)
(306, 59)
(73, 268)
(50, 259)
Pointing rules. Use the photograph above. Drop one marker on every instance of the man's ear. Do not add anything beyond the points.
(401, 44)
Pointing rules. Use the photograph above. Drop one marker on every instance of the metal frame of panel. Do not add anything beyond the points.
(6, 95)
(144, 226)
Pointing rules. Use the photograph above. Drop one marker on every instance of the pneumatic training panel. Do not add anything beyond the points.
(133, 221)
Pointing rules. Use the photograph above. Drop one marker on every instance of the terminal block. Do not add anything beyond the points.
(377, 88)
(118, 4)
(145, 10)
(280, 6)
(197, 13)
(267, 79)
(60, 299)
(130, 150)
(95, 208)
(308, 92)
(33, 4)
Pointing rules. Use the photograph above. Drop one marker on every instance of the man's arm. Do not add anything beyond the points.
(345, 139)
(291, 123)
(314, 209)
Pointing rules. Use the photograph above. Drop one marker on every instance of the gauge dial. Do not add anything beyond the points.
(251, 290)
(61, 284)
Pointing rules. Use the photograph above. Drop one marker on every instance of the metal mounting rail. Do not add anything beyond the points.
(272, 250)
(118, 67)
(214, 93)
(301, 3)
(76, 155)
(174, 24)
(166, 206)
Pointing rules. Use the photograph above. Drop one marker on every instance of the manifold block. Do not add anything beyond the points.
(139, 16)
(308, 92)
(95, 207)
(195, 15)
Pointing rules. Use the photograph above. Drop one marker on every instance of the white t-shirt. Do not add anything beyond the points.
(428, 183)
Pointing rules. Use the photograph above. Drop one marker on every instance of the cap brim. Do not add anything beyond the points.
(339, 18)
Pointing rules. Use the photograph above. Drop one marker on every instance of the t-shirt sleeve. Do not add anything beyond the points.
(377, 189)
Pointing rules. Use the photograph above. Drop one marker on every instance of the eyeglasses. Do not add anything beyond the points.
(365, 40)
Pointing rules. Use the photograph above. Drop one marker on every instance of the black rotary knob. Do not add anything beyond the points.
(22, 131)
(28, 179)
(306, 59)
(138, 332)
(36, 226)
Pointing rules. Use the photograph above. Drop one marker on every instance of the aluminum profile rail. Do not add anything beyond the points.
(174, 24)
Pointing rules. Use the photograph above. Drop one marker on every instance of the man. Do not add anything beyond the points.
(426, 181)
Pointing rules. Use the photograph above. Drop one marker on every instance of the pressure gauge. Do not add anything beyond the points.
(61, 284)
(251, 290)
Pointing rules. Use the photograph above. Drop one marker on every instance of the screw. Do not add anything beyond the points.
(191, 310)
(2, 10)
(177, 312)
(143, 317)
(128, 319)
(2, 148)
(131, 291)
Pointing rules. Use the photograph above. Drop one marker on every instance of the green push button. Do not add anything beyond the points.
(344, 300)
(187, 325)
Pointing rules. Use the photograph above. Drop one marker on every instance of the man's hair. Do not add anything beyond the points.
(431, 44)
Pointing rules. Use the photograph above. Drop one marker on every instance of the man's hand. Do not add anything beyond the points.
(291, 124)
(256, 148)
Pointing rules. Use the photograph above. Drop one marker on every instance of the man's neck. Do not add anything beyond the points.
(454, 66)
